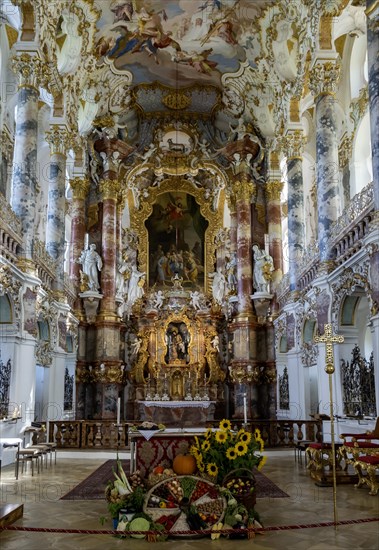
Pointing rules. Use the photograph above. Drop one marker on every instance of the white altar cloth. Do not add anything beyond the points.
(179, 404)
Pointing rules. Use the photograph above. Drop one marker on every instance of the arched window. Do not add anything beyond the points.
(5, 310)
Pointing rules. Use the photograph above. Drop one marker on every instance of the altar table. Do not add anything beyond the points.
(160, 449)
(177, 413)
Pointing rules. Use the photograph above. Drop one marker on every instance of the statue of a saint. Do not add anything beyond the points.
(218, 285)
(263, 267)
(92, 263)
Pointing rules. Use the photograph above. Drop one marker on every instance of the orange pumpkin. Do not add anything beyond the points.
(184, 464)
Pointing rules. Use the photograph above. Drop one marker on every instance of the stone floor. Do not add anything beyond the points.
(307, 504)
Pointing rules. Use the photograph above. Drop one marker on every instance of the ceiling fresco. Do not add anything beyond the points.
(177, 43)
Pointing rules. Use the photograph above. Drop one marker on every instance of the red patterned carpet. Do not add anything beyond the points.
(93, 487)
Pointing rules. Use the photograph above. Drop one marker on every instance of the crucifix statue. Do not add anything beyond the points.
(328, 338)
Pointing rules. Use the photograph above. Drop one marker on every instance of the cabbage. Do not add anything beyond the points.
(139, 524)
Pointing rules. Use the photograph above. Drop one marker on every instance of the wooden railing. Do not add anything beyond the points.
(88, 434)
(103, 434)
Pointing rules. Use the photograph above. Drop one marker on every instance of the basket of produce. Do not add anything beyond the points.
(241, 483)
(185, 503)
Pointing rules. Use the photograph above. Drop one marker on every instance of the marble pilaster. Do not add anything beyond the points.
(24, 176)
(324, 78)
(273, 190)
(244, 189)
(80, 188)
(293, 149)
(58, 139)
(109, 189)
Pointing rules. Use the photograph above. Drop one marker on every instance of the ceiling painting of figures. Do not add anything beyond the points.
(173, 41)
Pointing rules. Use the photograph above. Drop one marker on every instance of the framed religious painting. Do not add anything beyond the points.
(176, 236)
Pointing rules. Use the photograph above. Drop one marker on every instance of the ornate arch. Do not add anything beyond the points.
(346, 285)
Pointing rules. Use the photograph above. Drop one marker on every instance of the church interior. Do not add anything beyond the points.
(189, 232)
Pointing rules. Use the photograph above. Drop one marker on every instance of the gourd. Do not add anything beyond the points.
(184, 464)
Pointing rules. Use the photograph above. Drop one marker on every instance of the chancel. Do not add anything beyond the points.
(189, 198)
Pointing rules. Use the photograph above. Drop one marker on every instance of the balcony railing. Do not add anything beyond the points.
(10, 231)
(103, 434)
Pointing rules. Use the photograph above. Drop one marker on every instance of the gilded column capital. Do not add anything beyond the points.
(28, 68)
(324, 77)
(244, 188)
(80, 187)
(59, 139)
(292, 144)
(109, 189)
(273, 190)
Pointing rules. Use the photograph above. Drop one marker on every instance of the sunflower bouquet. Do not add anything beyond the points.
(219, 452)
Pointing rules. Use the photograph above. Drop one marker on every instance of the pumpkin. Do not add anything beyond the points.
(184, 464)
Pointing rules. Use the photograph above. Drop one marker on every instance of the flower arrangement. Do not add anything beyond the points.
(219, 452)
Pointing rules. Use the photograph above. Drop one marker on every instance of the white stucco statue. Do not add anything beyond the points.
(158, 299)
(218, 285)
(92, 264)
(136, 283)
(263, 268)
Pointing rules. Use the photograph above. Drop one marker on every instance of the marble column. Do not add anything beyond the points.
(24, 176)
(243, 189)
(58, 138)
(372, 13)
(109, 189)
(293, 149)
(324, 78)
(274, 216)
(80, 189)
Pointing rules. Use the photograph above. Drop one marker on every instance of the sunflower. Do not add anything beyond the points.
(257, 433)
(240, 433)
(194, 451)
(221, 436)
(225, 425)
(208, 433)
(205, 446)
(260, 442)
(231, 453)
(212, 469)
(262, 462)
(246, 437)
(200, 465)
(241, 448)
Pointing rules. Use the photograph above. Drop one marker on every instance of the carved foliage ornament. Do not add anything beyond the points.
(324, 77)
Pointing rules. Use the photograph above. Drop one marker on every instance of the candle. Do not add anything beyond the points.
(118, 410)
(244, 409)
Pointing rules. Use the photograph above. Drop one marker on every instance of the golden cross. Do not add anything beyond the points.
(329, 339)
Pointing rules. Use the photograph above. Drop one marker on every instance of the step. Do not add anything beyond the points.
(9, 513)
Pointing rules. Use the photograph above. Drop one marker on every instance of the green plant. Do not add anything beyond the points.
(219, 452)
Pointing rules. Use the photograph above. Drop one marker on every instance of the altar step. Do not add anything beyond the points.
(9, 513)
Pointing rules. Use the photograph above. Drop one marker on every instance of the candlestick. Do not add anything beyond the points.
(244, 409)
(118, 410)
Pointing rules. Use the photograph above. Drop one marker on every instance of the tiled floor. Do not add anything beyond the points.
(307, 504)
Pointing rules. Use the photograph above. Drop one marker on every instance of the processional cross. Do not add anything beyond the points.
(328, 338)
